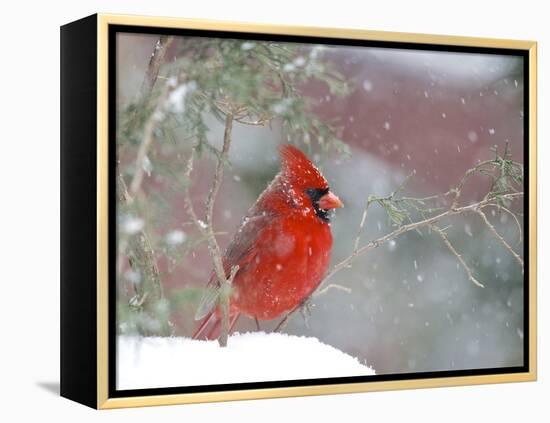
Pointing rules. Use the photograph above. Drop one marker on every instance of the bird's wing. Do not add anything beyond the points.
(239, 252)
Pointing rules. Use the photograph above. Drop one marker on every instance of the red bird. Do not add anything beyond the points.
(282, 247)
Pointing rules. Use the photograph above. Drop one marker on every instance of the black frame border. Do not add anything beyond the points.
(136, 29)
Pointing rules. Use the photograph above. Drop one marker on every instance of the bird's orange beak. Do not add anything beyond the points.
(330, 201)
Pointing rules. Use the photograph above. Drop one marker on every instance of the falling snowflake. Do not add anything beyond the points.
(132, 224)
(175, 237)
(367, 85)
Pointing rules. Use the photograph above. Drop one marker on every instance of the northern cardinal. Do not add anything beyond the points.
(282, 247)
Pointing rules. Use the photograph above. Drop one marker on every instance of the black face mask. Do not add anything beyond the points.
(315, 195)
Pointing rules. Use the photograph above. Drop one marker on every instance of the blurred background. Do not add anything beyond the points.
(378, 116)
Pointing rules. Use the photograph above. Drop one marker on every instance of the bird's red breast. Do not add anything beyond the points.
(283, 246)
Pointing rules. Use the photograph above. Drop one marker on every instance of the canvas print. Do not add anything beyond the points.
(303, 210)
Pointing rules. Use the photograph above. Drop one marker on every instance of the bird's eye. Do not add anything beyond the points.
(316, 193)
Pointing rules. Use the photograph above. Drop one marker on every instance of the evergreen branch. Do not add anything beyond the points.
(147, 140)
(141, 249)
(155, 62)
(142, 259)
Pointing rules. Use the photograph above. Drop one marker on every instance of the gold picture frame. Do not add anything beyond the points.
(95, 393)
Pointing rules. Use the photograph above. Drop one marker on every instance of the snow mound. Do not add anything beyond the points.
(154, 362)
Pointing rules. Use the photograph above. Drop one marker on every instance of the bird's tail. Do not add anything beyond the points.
(210, 326)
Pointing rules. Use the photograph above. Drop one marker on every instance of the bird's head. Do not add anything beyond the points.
(307, 183)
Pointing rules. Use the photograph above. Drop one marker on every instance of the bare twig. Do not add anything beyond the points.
(361, 225)
(189, 208)
(206, 228)
(261, 121)
(500, 207)
(224, 299)
(302, 307)
(214, 248)
(282, 324)
(499, 237)
(329, 287)
(216, 183)
(458, 189)
(452, 249)
(240, 113)
(401, 186)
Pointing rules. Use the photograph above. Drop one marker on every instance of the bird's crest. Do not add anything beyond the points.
(299, 170)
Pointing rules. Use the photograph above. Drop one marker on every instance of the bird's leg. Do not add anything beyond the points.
(257, 323)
